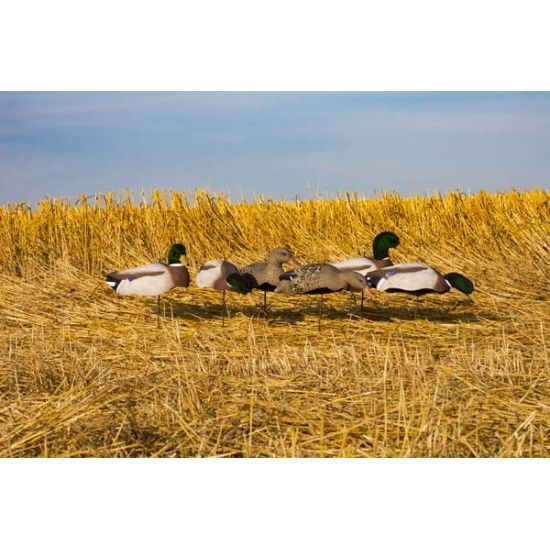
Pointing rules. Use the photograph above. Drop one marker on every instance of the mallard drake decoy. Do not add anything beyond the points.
(321, 279)
(152, 279)
(265, 275)
(417, 279)
(223, 275)
(381, 255)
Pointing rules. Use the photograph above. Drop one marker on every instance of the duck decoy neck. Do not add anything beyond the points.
(180, 275)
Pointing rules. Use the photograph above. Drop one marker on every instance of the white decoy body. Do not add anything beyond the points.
(148, 280)
(380, 258)
(418, 279)
(360, 264)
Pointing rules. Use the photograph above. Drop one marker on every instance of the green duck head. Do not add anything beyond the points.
(458, 281)
(382, 244)
(239, 282)
(176, 252)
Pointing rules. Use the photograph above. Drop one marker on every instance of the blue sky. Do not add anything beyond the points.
(278, 144)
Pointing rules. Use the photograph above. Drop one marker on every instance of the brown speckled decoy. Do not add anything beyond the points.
(152, 279)
(322, 279)
(265, 275)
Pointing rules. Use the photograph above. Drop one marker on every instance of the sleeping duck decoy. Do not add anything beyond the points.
(152, 279)
(223, 275)
(265, 275)
(321, 279)
(417, 279)
(380, 258)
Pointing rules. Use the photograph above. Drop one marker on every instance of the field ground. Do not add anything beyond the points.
(85, 373)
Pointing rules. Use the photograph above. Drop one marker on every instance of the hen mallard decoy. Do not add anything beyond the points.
(223, 275)
(381, 255)
(417, 279)
(265, 275)
(152, 279)
(321, 279)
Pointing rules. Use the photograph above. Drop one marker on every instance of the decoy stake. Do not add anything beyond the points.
(224, 308)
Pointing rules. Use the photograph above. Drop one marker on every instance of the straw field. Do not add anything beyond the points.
(87, 373)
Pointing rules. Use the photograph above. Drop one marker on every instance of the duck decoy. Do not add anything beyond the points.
(381, 255)
(223, 275)
(265, 275)
(321, 279)
(417, 279)
(152, 279)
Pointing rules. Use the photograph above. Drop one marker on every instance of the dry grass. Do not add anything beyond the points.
(84, 372)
